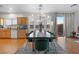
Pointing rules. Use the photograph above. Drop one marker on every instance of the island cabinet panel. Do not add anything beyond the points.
(21, 34)
(5, 33)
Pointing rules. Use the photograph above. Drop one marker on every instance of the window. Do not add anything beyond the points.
(60, 19)
(10, 21)
(2, 21)
(14, 21)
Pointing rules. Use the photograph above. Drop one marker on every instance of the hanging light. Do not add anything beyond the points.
(40, 8)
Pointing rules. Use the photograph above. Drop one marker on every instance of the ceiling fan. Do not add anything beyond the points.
(73, 5)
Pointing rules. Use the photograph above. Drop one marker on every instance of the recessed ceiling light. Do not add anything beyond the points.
(32, 14)
(10, 11)
(10, 8)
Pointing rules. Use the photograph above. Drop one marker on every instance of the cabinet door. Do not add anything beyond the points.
(21, 34)
(22, 20)
(1, 34)
(5, 33)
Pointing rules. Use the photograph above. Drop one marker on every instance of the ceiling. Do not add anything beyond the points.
(34, 8)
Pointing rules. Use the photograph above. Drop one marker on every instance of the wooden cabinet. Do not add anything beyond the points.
(21, 34)
(22, 20)
(5, 33)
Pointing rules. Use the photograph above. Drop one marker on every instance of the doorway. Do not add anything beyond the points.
(60, 26)
(60, 31)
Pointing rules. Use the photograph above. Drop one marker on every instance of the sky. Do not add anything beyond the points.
(60, 20)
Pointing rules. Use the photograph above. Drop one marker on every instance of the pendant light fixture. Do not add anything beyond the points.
(40, 12)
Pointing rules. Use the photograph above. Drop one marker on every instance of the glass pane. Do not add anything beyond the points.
(8, 22)
(14, 22)
(60, 19)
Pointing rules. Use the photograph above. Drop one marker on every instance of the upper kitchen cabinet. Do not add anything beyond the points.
(22, 20)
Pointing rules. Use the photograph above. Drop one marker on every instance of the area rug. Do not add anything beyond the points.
(27, 50)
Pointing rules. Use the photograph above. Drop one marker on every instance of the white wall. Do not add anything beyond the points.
(53, 18)
(76, 22)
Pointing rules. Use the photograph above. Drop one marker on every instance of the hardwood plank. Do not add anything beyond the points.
(10, 45)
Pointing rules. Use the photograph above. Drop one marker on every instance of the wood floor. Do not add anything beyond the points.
(10, 46)
(71, 46)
